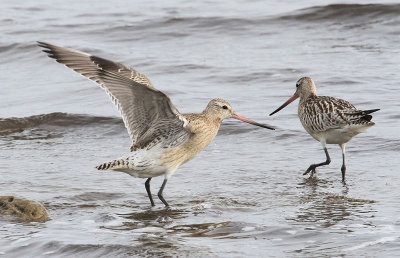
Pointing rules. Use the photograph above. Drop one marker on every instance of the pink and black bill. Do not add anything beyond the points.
(293, 98)
(246, 120)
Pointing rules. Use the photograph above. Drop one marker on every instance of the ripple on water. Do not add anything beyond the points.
(323, 209)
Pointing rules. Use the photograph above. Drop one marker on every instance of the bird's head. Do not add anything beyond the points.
(221, 109)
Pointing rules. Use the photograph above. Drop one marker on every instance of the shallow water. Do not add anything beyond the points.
(245, 195)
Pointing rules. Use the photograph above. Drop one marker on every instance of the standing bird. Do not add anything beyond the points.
(328, 120)
(162, 138)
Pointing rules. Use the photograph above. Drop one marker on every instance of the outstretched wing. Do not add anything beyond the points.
(323, 113)
(146, 111)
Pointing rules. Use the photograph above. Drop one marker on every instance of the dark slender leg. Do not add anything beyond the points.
(343, 170)
(147, 185)
(314, 166)
(344, 162)
(160, 193)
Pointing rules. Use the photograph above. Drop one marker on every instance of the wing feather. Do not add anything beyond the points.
(145, 110)
(322, 113)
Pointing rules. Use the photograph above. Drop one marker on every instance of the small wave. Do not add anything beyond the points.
(30, 8)
(257, 76)
(96, 196)
(187, 24)
(204, 22)
(381, 240)
(12, 125)
(16, 47)
(343, 11)
(4, 48)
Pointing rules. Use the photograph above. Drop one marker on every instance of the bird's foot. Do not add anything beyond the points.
(310, 169)
(313, 171)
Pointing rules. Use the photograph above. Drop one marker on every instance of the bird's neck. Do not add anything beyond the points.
(304, 98)
(203, 122)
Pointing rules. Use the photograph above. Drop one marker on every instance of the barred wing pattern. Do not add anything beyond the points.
(142, 107)
(321, 113)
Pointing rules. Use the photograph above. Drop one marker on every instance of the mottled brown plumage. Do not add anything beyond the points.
(328, 120)
(322, 113)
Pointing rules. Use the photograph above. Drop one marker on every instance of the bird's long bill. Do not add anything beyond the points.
(293, 98)
(244, 119)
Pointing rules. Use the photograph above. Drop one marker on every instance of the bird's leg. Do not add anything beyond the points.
(160, 193)
(147, 185)
(343, 146)
(312, 167)
(312, 172)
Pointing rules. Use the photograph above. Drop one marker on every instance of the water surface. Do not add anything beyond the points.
(245, 195)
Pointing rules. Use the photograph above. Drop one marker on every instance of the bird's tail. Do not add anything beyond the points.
(116, 164)
(366, 113)
(362, 115)
(371, 111)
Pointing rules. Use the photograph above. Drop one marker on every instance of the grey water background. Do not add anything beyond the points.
(245, 195)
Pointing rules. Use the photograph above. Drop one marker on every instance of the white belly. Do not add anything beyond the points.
(340, 135)
(144, 164)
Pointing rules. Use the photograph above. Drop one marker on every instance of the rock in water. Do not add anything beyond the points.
(27, 210)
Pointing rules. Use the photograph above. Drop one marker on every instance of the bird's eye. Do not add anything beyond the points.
(224, 107)
(297, 85)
